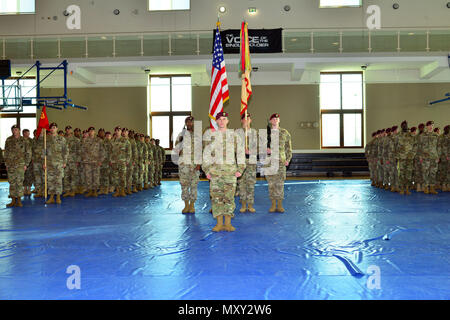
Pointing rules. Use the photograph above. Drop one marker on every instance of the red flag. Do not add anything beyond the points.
(43, 122)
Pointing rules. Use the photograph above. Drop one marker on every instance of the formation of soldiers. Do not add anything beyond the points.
(89, 162)
(226, 172)
(414, 158)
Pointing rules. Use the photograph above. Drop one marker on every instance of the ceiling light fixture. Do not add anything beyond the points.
(222, 9)
(252, 10)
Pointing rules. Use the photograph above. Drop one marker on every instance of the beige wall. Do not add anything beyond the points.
(107, 108)
(386, 105)
(390, 104)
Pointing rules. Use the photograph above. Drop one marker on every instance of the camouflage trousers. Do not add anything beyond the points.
(380, 173)
(158, 173)
(276, 183)
(119, 172)
(429, 170)
(136, 174)
(247, 184)
(141, 169)
(55, 175)
(105, 175)
(372, 169)
(129, 175)
(442, 174)
(222, 190)
(390, 174)
(81, 175)
(92, 175)
(418, 176)
(189, 178)
(151, 174)
(38, 173)
(16, 174)
(405, 171)
(145, 173)
(71, 177)
(28, 177)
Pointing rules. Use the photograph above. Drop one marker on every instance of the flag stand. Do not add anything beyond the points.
(45, 164)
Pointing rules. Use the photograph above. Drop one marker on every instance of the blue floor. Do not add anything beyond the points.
(337, 240)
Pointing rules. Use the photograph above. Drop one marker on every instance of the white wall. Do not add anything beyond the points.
(98, 17)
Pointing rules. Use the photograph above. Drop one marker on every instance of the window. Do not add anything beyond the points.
(170, 104)
(25, 119)
(339, 3)
(160, 5)
(17, 6)
(341, 110)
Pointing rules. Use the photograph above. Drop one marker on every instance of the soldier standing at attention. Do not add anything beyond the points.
(162, 159)
(418, 177)
(147, 169)
(143, 151)
(17, 157)
(134, 162)
(130, 165)
(71, 175)
(153, 165)
(443, 146)
(368, 151)
(105, 169)
(248, 179)
(429, 157)
(93, 155)
(405, 151)
(120, 158)
(38, 161)
(188, 171)
(275, 179)
(28, 178)
(375, 157)
(57, 154)
(380, 163)
(222, 169)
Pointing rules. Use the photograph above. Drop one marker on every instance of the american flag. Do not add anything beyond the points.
(219, 82)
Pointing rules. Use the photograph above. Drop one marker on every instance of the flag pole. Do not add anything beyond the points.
(45, 164)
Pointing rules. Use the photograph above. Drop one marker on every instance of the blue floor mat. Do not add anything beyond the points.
(338, 239)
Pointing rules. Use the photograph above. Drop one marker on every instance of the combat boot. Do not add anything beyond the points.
(445, 188)
(66, 194)
(145, 186)
(38, 194)
(12, 204)
(58, 199)
(50, 200)
(128, 191)
(402, 191)
(274, 206)
(426, 190)
(244, 207)
(392, 188)
(117, 193)
(419, 188)
(192, 207)
(139, 188)
(228, 227)
(432, 190)
(135, 190)
(186, 207)
(19, 202)
(94, 193)
(89, 194)
(219, 225)
(280, 206)
(407, 191)
(122, 192)
(250, 208)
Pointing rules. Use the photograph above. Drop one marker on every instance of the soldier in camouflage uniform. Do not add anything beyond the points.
(38, 161)
(120, 158)
(392, 158)
(17, 157)
(246, 183)
(143, 160)
(57, 155)
(105, 169)
(28, 178)
(222, 165)
(133, 169)
(380, 144)
(153, 164)
(71, 175)
(443, 146)
(188, 170)
(162, 158)
(149, 163)
(275, 179)
(418, 175)
(405, 151)
(368, 152)
(93, 155)
(429, 157)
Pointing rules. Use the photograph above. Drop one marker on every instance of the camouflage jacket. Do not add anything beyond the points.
(221, 157)
(252, 143)
(17, 152)
(74, 147)
(187, 144)
(134, 155)
(57, 152)
(38, 149)
(285, 146)
(427, 145)
(442, 147)
(107, 147)
(149, 152)
(92, 150)
(406, 146)
(121, 150)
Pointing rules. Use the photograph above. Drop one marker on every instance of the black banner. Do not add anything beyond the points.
(259, 40)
